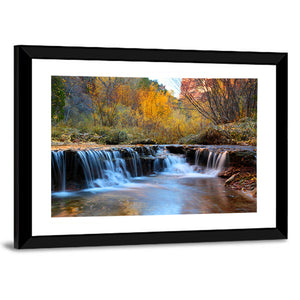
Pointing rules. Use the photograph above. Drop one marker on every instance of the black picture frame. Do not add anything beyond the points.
(23, 56)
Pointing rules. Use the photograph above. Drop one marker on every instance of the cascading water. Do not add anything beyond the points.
(106, 168)
(215, 160)
(174, 164)
(59, 167)
(151, 151)
(103, 168)
(135, 162)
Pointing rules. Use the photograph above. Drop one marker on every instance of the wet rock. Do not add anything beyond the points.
(144, 167)
(176, 149)
(190, 155)
(73, 172)
(242, 158)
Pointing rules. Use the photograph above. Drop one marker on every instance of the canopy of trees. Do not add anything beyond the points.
(143, 107)
(138, 104)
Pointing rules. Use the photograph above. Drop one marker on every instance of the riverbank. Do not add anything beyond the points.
(242, 132)
(241, 179)
(173, 148)
(78, 146)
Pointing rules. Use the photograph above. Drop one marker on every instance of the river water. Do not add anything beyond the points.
(180, 188)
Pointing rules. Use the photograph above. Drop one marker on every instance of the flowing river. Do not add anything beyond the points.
(149, 182)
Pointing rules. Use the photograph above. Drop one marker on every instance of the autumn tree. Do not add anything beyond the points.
(105, 98)
(221, 100)
(154, 106)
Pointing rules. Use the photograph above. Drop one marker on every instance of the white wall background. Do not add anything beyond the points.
(245, 270)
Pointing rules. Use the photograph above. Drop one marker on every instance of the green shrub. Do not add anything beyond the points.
(209, 136)
(190, 139)
(243, 132)
(115, 137)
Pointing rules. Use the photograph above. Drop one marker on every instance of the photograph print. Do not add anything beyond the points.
(126, 146)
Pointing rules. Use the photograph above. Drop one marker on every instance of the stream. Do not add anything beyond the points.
(151, 181)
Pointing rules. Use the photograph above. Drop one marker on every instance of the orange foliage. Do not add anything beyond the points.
(154, 105)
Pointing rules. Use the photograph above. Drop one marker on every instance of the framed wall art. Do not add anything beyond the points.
(136, 146)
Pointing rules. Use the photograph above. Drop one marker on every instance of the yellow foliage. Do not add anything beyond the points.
(154, 105)
(126, 105)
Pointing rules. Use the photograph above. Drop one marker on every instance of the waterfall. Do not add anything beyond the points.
(59, 168)
(157, 165)
(175, 164)
(169, 163)
(198, 156)
(103, 168)
(151, 151)
(135, 162)
(214, 161)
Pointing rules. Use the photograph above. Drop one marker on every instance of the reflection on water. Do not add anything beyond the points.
(158, 195)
